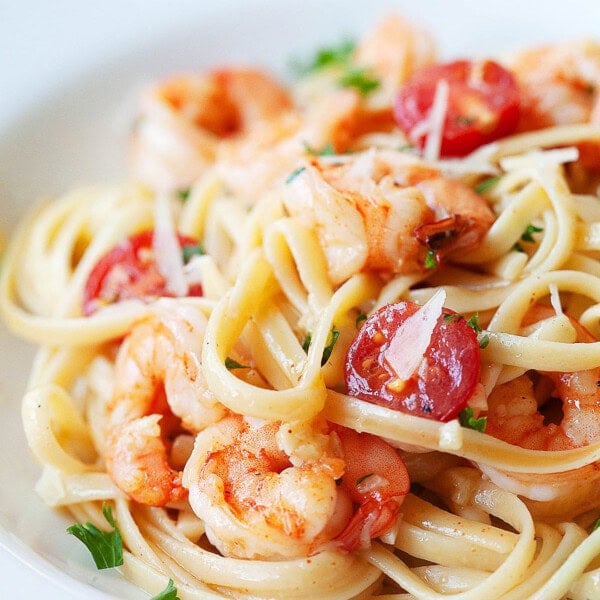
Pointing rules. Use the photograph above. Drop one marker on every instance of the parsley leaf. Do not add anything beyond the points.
(486, 184)
(327, 150)
(106, 547)
(294, 174)
(169, 593)
(233, 364)
(473, 323)
(527, 235)
(326, 57)
(333, 337)
(184, 194)
(360, 80)
(430, 260)
(467, 419)
(360, 319)
(306, 342)
(190, 250)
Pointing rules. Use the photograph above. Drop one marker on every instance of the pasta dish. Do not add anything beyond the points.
(334, 338)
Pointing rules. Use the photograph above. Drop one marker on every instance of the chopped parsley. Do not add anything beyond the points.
(360, 80)
(332, 339)
(230, 363)
(294, 174)
(527, 235)
(467, 419)
(486, 184)
(184, 194)
(360, 319)
(306, 342)
(449, 317)
(473, 323)
(430, 260)
(169, 593)
(326, 57)
(190, 250)
(106, 547)
(327, 150)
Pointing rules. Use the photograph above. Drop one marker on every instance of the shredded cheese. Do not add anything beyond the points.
(167, 252)
(410, 342)
(437, 117)
(451, 435)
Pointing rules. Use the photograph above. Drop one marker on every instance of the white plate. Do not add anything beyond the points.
(68, 73)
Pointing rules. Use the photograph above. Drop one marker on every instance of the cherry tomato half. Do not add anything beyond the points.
(129, 270)
(446, 377)
(483, 104)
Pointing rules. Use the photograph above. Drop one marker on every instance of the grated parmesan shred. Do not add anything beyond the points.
(167, 251)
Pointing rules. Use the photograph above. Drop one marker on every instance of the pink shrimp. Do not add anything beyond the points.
(159, 389)
(559, 84)
(263, 495)
(523, 412)
(384, 211)
(183, 121)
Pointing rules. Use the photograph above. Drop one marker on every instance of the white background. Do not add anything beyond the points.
(44, 48)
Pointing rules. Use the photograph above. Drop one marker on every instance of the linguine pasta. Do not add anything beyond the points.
(278, 186)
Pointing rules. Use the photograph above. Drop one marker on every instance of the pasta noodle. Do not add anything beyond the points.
(195, 346)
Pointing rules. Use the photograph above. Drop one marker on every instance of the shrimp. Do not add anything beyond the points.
(158, 378)
(266, 491)
(559, 84)
(392, 52)
(524, 412)
(384, 211)
(184, 121)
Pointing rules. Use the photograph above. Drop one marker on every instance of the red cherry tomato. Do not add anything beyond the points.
(483, 104)
(129, 270)
(442, 384)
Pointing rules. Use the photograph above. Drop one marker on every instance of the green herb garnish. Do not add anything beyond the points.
(360, 319)
(473, 323)
(106, 547)
(327, 150)
(517, 247)
(169, 593)
(360, 80)
(484, 340)
(448, 318)
(467, 419)
(184, 194)
(527, 235)
(431, 260)
(333, 337)
(326, 57)
(190, 250)
(230, 363)
(294, 174)
(486, 184)
(306, 342)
